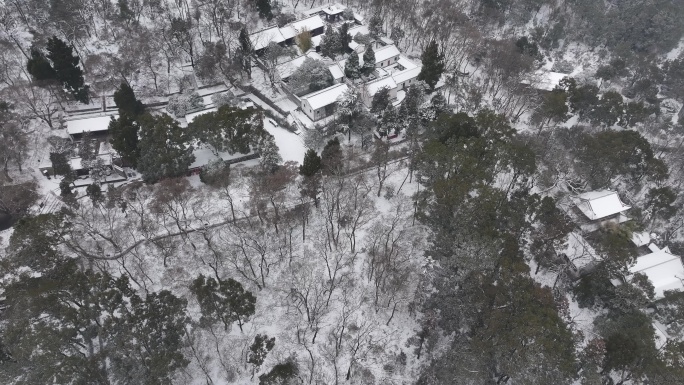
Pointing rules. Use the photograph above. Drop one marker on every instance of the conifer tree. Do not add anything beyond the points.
(331, 43)
(433, 65)
(167, 152)
(311, 164)
(125, 100)
(265, 9)
(244, 54)
(67, 70)
(351, 67)
(39, 67)
(345, 38)
(368, 61)
(124, 131)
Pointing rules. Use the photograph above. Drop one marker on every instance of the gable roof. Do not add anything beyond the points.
(663, 269)
(336, 71)
(296, 27)
(261, 39)
(375, 86)
(326, 96)
(386, 52)
(94, 124)
(407, 74)
(600, 204)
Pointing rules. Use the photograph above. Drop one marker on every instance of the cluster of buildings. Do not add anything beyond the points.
(605, 208)
(393, 70)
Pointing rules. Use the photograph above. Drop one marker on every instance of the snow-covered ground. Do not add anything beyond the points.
(290, 145)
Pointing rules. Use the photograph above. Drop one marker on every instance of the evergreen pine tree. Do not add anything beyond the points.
(39, 67)
(311, 164)
(66, 68)
(345, 38)
(125, 100)
(351, 67)
(331, 157)
(124, 131)
(245, 51)
(433, 65)
(167, 151)
(60, 163)
(381, 100)
(94, 192)
(270, 156)
(265, 9)
(375, 26)
(331, 43)
(368, 61)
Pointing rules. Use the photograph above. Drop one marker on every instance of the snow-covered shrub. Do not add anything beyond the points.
(180, 105)
(225, 99)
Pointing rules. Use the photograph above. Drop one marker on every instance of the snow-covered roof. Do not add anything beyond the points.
(191, 117)
(326, 96)
(354, 46)
(407, 74)
(362, 29)
(547, 80)
(334, 9)
(386, 40)
(386, 52)
(316, 40)
(263, 38)
(285, 70)
(76, 163)
(94, 124)
(600, 204)
(641, 239)
(375, 86)
(336, 71)
(358, 17)
(296, 27)
(663, 269)
(406, 62)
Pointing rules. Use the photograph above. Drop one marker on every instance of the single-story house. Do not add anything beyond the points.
(663, 269)
(98, 126)
(372, 88)
(386, 56)
(286, 35)
(261, 39)
(331, 12)
(406, 73)
(601, 207)
(321, 104)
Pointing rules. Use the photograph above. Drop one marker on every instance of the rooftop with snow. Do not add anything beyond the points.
(663, 269)
(600, 204)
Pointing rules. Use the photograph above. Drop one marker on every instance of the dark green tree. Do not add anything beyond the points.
(244, 52)
(67, 70)
(331, 157)
(351, 67)
(223, 300)
(609, 110)
(125, 100)
(265, 9)
(39, 67)
(368, 61)
(259, 349)
(94, 192)
(167, 151)
(124, 131)
(280, 374)
(433, 65)
(553, 108)
(345, 38)
(332, 44)
(381, 100)
(230, 129)
(375, 26)
(60, 164)
(311, 164)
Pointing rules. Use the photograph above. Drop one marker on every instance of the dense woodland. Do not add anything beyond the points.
(439, 260)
